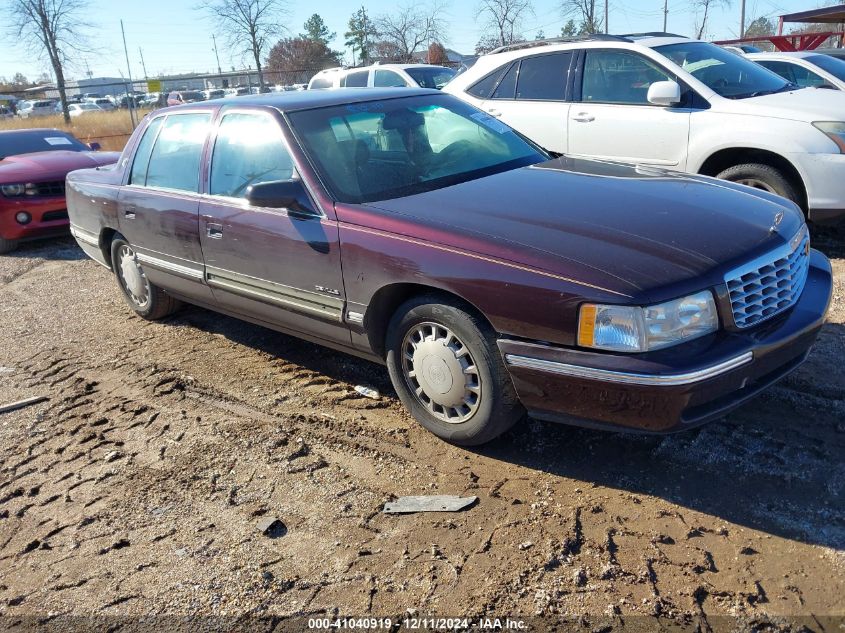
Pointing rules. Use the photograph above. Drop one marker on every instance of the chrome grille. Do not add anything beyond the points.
(770, 284)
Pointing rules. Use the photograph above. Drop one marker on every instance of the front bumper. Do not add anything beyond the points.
(675, 388)
(49, 217)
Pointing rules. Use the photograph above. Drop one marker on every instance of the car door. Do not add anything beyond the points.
(158, 207)
(280, 266)
(612, 118)
(531, 97)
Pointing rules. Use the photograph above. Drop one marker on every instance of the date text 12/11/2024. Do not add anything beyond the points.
(419, 623)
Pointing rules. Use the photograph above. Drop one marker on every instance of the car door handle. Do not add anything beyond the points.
(494, 112)
(129, 212)
(584, 117)
(214, 231)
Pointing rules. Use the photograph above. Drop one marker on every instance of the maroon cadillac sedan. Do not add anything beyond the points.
(492, 278)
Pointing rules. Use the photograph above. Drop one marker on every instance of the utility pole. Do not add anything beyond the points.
(214, 41)
(130, 100)
(606, 18)
(665, 13)
(742, 18)
(143, 65)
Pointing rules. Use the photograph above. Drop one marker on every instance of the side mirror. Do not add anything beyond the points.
(95, 147)
(664, 93)
(280, 194)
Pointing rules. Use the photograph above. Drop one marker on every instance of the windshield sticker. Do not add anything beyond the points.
(57, 140)
(490, 122)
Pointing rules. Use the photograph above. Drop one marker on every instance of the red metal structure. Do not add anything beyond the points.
(801, 41)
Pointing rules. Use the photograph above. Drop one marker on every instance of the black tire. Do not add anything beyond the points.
(151, 304)
(476, 420)
(7, 246)
(763, 177)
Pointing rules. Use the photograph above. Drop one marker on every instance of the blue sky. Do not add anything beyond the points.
(176, 37)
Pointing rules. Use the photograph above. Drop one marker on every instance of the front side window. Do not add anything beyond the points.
(138, 175)
(398, 147)
(794, 73)
(175, 159)
(617, 76)
(388, 79)
(249, 150)
(543, 77)
(727, 74)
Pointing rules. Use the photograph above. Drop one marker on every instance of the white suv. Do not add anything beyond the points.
(670, 101)
(383, 76)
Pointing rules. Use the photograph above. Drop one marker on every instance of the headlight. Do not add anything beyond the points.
(13, 190)
(638, 329)
(835, 131)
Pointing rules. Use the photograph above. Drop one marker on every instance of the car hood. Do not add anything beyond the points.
(50, 165)
(635, 230)
(806, 104)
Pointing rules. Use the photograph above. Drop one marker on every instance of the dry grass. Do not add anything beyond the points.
(110, 129)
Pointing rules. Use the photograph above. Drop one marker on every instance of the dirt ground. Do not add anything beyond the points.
(138, 487)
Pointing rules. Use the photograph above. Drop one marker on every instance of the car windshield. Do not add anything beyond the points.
(378, 150)
(14, 143)
(834, 66)
(726, 73)
(431, 77)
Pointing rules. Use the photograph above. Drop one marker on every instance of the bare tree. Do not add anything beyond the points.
(705, 7)
(51, 28)
(504, 18)
(250, 26)
(584, 12)
(411, 28)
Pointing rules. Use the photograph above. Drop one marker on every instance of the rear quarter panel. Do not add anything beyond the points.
(92, 208)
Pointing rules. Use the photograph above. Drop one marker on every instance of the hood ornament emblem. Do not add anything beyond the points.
(777, 220)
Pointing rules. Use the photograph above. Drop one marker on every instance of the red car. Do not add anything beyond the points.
(33, 166)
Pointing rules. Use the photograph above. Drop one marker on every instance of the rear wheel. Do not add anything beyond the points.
(448, 372)
(764, 177)
(7, 246)
(145, 298)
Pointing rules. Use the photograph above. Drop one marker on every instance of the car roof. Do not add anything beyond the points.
(308, 99)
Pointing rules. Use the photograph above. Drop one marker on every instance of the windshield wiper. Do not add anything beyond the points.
(787, 87)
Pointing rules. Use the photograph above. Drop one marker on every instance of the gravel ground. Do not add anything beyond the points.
(138, 487)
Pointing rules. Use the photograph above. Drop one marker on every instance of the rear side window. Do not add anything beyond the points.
(484, 88)
(175, 159)
(507, 87)
(356, 80)
(320, 82)
(543, 78)
(248, 150)
(138, 176)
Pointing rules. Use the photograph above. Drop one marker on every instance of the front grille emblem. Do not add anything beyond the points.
(777, 220)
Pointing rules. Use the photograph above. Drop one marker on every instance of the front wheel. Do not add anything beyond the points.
(145, 298)
(763, 177)
(448, 372)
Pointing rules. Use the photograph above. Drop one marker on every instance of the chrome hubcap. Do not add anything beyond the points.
(757, 184)
(441, 372)
(132, 277)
